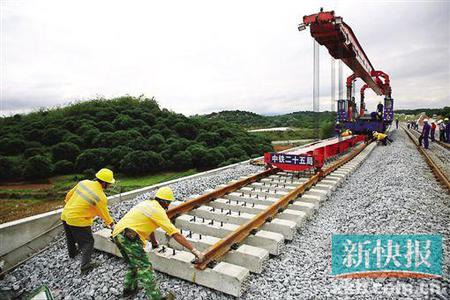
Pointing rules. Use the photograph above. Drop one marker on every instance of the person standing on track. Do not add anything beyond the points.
(131, 234)
(396, 123)
(447, 130)
(425, 134)
(441, 126)
(84, 202)
(432, 131)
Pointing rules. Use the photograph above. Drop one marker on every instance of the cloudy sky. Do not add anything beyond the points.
(203, 56)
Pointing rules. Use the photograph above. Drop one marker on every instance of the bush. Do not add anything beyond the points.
(37, 167)
(65, 151)
(209, 138)
(186, 130)
(105, 126)
(89, 173)
(141, 162)
(92, 159)
(10, 168)
(33, 152)
(11, 146)
(53, 136)
(234, 151)
(182, 160)
(118, 153)
(64, 167)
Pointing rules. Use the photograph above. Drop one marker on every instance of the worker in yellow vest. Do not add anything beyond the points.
(131, 234)
(381, 137)
(84, 202)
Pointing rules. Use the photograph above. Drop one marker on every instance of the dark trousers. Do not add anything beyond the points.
(81, 236)
(432, 131)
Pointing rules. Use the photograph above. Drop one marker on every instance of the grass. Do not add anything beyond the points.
(17, 202)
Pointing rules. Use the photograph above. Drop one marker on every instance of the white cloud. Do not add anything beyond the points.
(203, 56)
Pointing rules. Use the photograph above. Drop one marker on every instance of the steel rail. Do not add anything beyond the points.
(189, 205)
(233, 239)
(440, 175)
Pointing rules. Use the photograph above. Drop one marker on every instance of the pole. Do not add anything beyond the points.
(316, 106)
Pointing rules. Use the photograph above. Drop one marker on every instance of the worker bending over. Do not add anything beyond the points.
(381, 137)
(84, 202)
(130, 235)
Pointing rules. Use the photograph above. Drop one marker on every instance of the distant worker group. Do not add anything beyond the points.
(87, 200)
(429, 131)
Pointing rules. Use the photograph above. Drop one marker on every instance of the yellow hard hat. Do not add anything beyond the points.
(165, 193)
(105, 175)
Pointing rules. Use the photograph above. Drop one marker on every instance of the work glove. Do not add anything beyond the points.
(199, 256)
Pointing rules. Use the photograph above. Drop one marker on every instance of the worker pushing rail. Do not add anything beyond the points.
(131, 234)
(84, 202)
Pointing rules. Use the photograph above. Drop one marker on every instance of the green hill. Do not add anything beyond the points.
(249, 120)
(133, 136)
(303, 123)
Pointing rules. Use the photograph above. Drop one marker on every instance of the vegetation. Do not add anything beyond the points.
(249, 120)
(20, 200)
(132, 136)
(305, 124)
(428, 111)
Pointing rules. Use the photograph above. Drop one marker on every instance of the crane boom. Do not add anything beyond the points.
(330, 31)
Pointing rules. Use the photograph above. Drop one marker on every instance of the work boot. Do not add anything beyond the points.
(169, 296)
(92, 265)
(129, 294)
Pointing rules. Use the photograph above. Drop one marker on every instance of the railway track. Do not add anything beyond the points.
(239, 225)
(437, 157)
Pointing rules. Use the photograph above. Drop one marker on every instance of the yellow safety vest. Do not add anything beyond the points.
(84, 202)
(144, 218)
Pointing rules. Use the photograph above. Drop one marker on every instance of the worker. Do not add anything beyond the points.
(447, 130)
(381, 137)
(432, 130)
(83, 202)
(425, 134)
(441, 127)
(396, 123)
(346, 133)
(131, 234)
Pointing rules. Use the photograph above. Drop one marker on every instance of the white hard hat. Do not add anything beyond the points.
(439, 122)
(425, 120)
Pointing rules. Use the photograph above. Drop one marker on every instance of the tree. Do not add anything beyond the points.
(141, 162)
(65, 151)
(11, 146)
(64, 167)
(37, 167)
(235, 151)
(92, 159)
(53, 136)
(10, 168)
(105, 126)
(118, 153)
(182, 160)
(186, 130)
(30, 152)
(211, 139)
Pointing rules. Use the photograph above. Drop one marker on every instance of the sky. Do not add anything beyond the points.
(197, 57)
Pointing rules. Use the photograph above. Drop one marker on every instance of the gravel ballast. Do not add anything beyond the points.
(393, 192)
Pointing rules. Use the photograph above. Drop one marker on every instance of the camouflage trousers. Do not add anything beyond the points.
(139, 267)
